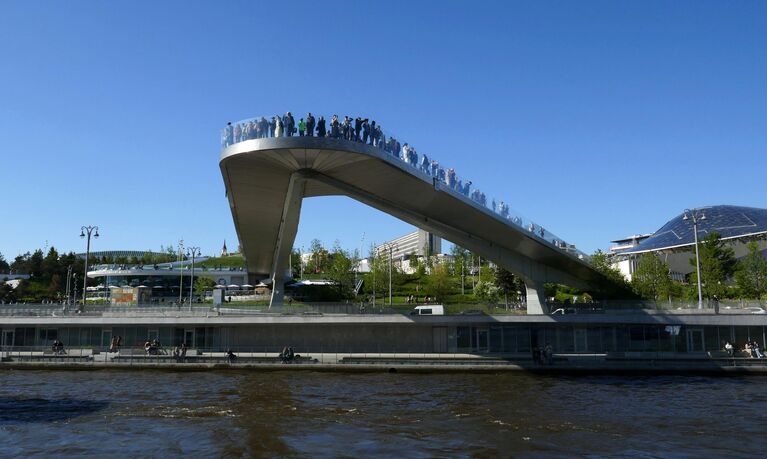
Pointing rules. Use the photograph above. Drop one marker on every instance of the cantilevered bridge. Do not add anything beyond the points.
(267, 178)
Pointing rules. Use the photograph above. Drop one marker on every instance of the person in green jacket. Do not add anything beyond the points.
(301, 127)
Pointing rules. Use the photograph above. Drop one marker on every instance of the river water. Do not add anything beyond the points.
(318, 414)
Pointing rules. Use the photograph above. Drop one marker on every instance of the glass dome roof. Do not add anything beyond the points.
(729, 221)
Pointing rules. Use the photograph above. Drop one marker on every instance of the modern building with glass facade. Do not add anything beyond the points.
(636, 335)
(675, 240)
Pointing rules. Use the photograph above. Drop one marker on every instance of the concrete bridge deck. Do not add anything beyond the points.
(266, 180)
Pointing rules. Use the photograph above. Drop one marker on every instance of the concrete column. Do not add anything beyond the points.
(286, 235)
(536, 298)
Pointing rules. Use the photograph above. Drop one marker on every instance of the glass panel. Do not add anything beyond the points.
(712, 339)
(509, 339)
(651, 338)
(594, 339)
(566, 341)
(496, 339)
(741, 337)
(621, 338)
(523, 340)
(666, 339)
(636, 338)
(725, 334)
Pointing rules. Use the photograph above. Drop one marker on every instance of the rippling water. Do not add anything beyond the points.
(308, 414)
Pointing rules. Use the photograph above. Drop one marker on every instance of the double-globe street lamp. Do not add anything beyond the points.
(696, 215)
(193, 252)
(87, 231)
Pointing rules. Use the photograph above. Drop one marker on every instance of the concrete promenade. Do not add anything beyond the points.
(584, 364)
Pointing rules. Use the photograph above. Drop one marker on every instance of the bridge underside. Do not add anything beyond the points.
(266, 180)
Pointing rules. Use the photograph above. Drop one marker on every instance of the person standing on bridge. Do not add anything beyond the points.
(425, 164)
(334, 127)
(309, 124)
(289, 125)
(365, 130)
(380, 138)
(372, 132)
(346, 127)
(301, 127)
(451, 177)
(377, 135)
(278, 127)
(357, 128)
(321, 127)
(263, 128)
(229, 134)
(237, 132)
(273, 127)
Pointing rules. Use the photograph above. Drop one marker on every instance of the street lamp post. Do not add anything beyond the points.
(181, 272)
(87, 231)
(69, 283)
(696, 214)
(390, 248)
(192, 252)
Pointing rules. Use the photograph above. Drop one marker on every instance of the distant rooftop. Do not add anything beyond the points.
(731, 222)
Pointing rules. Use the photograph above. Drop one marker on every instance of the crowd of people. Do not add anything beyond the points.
(751, 349)
(366, 131)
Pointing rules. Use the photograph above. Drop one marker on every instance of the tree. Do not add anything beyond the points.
(651, 279)
(339, 270)
(717, 263)
(618, 286)
(295, 263)
(377, 281)
(487, 292)
(601, 262)
(202, 285)
(50, 265)
(318, 260)
(36, 264)
(751, 273)
(460, 259)
(439, 283)
(4, 266)
(507, 283)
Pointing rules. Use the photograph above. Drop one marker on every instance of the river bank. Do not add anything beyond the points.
(641, 363)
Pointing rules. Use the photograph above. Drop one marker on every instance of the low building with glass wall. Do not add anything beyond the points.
(662, 335)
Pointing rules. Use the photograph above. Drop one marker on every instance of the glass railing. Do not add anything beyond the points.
(363, 130)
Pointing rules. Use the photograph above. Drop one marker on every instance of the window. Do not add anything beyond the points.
(47, 335)
(463, 337)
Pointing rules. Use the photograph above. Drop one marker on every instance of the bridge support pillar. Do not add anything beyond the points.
(536, 298)
(286, 235)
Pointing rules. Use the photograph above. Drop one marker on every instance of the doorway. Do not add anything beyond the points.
(695, 340)
(7, 339)
(106, 338)
(189, 337)
(480, 340)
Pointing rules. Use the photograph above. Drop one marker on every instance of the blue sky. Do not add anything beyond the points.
(597, 119)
